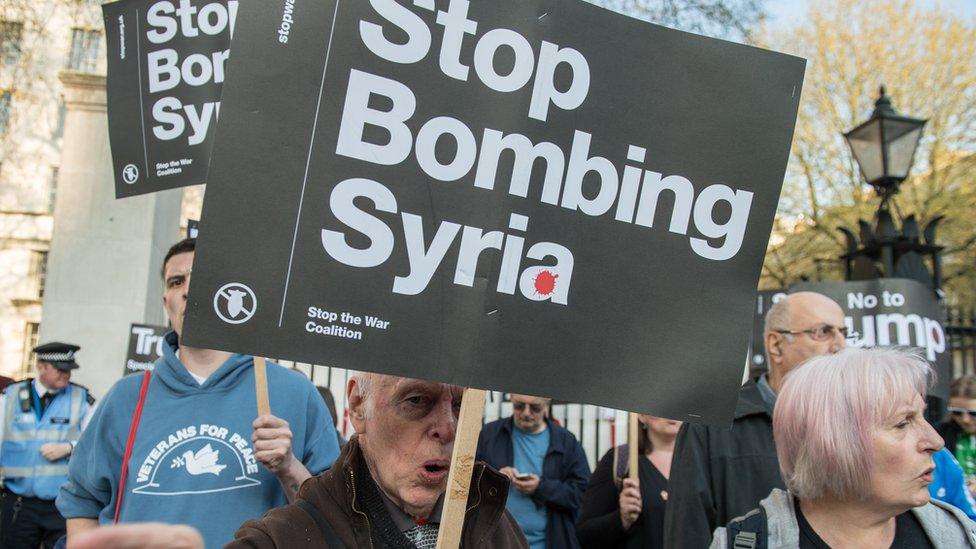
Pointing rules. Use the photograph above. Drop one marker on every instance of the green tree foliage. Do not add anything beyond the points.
(927, 60)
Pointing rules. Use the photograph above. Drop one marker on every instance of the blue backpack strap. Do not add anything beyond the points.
(749, 531)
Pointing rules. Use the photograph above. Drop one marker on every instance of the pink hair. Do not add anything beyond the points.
(827, 410)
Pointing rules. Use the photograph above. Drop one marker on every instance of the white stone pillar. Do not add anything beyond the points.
(103, 268)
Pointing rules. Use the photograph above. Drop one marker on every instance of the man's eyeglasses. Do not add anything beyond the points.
(536, 408)
(819, 333)
(959, 412)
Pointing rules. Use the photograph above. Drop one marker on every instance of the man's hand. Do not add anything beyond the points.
(272, 443)
(630, 503)
(53, 451)
(510, 472)
(145, 535)
(527, 487)
(272, 447)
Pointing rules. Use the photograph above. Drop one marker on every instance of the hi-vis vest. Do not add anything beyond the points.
(24, 470)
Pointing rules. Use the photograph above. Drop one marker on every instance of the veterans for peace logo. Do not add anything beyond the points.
(235, 303)
(198, 459)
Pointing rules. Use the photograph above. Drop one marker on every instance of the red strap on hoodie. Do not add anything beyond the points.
(130, 442)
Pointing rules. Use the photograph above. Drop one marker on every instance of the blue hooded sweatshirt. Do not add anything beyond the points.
(193, 459)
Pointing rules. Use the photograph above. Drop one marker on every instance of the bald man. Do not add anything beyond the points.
(719, 474)
(387, 487)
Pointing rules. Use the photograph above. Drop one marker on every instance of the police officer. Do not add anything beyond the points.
(41, 419)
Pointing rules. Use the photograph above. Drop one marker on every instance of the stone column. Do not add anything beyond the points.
(103, 268)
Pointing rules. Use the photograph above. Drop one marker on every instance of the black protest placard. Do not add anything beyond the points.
(537, 196)
(166, 66)
(145, 347)
(893, 311)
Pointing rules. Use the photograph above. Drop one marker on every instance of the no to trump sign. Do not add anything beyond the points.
(534, 196)
(893, 312)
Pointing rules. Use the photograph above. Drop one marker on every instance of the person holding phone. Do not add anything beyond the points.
(547, 468)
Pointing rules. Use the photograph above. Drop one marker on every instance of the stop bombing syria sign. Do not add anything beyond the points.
(166, 67)
(536, 196)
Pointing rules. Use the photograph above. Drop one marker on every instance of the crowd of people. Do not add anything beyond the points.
(829, 448)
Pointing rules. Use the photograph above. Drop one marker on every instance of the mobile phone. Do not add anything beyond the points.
(524, 476)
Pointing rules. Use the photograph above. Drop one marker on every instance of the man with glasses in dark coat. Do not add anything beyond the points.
(717, 473)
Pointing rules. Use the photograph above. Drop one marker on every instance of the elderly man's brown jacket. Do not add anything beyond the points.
(333, 493)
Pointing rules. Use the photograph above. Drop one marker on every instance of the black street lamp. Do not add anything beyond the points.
(884, 148)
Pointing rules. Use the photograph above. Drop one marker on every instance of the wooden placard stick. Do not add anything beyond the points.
(261, 386)
(462, 465)
(632, 442)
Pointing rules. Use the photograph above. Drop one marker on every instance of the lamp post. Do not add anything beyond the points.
(884, 148)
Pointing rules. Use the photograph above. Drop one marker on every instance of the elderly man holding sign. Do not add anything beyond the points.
(388, 487)
(193, 446)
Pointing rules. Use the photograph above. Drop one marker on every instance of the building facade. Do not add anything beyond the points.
(38, 39)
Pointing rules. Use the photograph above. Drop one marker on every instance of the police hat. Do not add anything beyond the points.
(61, 355)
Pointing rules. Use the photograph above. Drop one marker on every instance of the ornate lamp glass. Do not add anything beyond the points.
(884, 146)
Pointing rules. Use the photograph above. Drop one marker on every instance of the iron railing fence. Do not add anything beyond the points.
(961, 333)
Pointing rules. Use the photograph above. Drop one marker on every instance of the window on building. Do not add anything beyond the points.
(11, 33)
(30, 341)
(4, 110)
(59, 128)
(38, 271)
(84, 50)
(52, 189)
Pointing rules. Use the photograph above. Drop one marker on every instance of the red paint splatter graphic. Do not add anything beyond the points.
(935, 336)
(545, 282)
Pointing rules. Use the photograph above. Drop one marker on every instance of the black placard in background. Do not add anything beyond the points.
(166, 66)
(145, 346)
(893, 311)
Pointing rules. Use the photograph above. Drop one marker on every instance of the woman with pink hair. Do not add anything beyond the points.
(855, 452)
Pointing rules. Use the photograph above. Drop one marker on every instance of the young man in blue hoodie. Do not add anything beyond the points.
(199, 457)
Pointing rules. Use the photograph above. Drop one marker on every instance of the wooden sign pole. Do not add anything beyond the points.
(632, 443)
(462, 465)
(261, 386)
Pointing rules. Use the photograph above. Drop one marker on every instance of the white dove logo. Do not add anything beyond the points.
(204, 461)
(197, 465)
